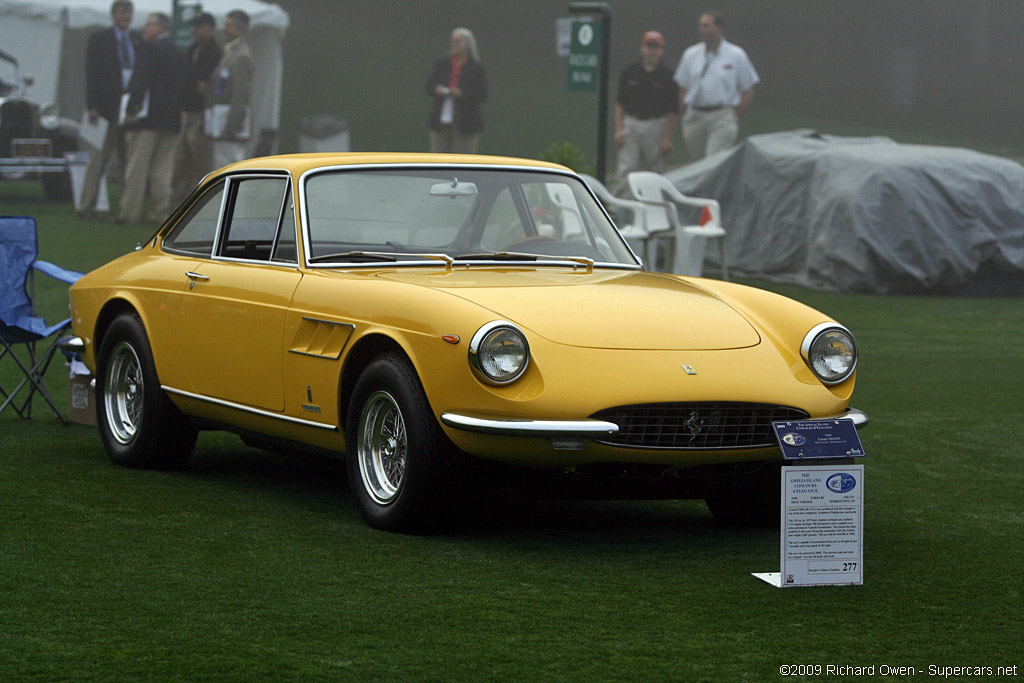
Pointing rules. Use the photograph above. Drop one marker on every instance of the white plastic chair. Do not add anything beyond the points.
(661, 198)
(635, 233)
(572, 222)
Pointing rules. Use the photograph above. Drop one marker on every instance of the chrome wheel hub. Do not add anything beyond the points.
(382, 447)
(123, 393)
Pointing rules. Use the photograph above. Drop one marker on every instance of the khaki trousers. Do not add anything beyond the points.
(707, 132)
(148, 172)
(641, 148)
(113, 144)
(449, 140)
(193, 155)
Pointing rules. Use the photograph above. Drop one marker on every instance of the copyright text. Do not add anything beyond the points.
(895, 670)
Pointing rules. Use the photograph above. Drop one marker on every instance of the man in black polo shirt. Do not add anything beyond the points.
(646, 111)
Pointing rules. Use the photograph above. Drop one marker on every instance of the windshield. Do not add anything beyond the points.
(467, 214)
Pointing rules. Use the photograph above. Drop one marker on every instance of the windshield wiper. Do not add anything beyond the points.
(353, 256)
(375, 256)
(497, 256)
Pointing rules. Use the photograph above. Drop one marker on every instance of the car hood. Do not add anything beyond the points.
(610, 310)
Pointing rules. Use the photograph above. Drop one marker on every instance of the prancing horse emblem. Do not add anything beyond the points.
(694, 424)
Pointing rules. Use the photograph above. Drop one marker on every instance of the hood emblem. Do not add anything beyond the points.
(689, 369)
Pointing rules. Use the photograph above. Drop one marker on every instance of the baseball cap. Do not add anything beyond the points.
(653, 37)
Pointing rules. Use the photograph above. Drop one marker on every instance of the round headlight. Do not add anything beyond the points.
(499, 353)
(49, 117)
(831, 352)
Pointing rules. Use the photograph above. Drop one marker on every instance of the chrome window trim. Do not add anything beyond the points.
(248, 409)
(230, 180)
(304, 212)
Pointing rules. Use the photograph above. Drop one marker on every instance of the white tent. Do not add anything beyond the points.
(49, 37)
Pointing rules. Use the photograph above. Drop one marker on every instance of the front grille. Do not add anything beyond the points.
(696, 425)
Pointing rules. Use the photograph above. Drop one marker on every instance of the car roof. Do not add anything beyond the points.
(300, 163)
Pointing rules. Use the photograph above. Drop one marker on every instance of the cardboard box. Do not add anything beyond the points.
(81, 400)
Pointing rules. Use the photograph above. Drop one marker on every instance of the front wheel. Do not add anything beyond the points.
(139, 425)
(400, 463)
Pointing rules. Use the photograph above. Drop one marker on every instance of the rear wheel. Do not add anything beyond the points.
(139, 425)
(400, 464)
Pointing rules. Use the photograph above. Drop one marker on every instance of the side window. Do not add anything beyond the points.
(195, 232)
(251, 230)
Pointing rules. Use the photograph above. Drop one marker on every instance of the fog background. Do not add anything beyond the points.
(931, 71)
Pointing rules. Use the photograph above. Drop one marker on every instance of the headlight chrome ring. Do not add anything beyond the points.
(499, 353)
(830, 351)
(49, 116)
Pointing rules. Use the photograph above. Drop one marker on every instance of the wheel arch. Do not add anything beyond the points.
(362, 354)
(111, 310)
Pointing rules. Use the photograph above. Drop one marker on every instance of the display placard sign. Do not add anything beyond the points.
(584, 56)
(818, 439)
(822, 535)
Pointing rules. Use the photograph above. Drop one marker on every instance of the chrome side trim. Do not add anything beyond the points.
(859, 417)
(542, 428)
(249, 409)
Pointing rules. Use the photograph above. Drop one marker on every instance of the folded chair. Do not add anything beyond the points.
(662, 200)
(23, 334)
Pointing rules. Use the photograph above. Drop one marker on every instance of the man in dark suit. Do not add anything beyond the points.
(109, 64)
(193, 155)
(152, 120)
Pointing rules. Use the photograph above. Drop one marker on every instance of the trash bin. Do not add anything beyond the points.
(323, 133)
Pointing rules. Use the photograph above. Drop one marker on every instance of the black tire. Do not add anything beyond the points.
(139, 425)
(401, 466)
(758, 503)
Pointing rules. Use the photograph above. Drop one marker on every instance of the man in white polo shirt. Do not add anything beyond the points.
(716, 85)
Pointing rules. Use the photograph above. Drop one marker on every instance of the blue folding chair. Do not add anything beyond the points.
(20, 327)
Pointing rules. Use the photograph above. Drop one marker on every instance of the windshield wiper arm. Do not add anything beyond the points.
(353, 255)
(497, 256)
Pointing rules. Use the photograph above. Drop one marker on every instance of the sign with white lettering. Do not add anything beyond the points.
(822, 535)
(818, 439)
(584, 56)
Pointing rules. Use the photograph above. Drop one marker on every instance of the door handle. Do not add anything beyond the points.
(192, 277)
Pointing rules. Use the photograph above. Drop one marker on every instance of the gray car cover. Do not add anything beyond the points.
(866, 214)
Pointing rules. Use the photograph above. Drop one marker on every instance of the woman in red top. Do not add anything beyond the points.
(458, 85)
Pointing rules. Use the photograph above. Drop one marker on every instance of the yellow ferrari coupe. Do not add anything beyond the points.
(443, 321)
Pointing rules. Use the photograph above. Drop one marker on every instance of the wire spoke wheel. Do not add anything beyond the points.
(124, 394)
(383, 447)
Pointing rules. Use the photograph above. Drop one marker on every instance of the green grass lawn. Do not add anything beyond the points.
(247, 565)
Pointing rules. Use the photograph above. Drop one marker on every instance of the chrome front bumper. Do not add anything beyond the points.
(584, 429)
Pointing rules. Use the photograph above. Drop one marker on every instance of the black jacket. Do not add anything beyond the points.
(202, 60)
(103, 85)
(161, 70)
(472, 83)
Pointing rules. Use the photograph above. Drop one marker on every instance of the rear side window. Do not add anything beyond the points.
(195, 232)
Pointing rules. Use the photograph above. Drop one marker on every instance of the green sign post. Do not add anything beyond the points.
(181, 23)
(584, 56)
(588, 64)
